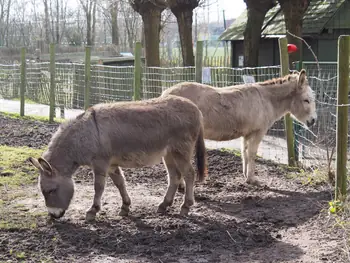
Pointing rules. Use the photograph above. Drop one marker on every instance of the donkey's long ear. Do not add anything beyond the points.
(45, 165)
(302, 78)
(35, 163)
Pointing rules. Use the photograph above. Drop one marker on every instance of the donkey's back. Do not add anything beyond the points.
(135, 134)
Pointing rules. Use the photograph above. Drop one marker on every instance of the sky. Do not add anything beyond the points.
(233, 8)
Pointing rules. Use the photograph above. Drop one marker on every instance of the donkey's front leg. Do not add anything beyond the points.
(253, 146)
(99, 186)
(181, 188)
(245, 155)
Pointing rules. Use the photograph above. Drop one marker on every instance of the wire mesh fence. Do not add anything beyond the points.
(315, 147)
(155, 80)
(109, 83)
(9, 81)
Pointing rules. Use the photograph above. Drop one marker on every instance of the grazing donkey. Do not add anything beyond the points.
(249, 110)
(124, 134)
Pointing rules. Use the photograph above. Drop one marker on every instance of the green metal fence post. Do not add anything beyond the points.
(23, 81)
(87, 77)
(199, 61)
(52, 82)
(137, 71)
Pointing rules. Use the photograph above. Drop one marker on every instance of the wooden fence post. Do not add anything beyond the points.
(342, 116)
(137, 71)
(288, 122)
(87, 77)
(199, 61)
(23, 80)
(52, 82)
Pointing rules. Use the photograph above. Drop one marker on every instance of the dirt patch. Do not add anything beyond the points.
(230, 222)
(22, 132)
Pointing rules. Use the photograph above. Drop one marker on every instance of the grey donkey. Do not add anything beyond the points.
(107, 137)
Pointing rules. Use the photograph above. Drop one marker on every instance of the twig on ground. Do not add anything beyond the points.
(231, 237)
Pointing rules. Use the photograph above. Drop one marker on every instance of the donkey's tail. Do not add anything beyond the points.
(201, 156)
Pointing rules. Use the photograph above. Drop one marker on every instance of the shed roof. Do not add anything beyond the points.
(315, 19)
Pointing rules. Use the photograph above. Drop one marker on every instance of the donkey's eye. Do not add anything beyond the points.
(307, 101)
(51, 191)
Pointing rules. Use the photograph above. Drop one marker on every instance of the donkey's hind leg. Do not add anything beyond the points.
(118, 179)
(99, 186)
(174, 177)
(189, 193)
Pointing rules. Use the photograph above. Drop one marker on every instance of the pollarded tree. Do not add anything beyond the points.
(256, 12)
(183, 11)
(150, 11)
(294, 11)
(89, 7)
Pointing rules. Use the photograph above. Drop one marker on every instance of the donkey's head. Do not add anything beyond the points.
(303, 105)
(57, 189)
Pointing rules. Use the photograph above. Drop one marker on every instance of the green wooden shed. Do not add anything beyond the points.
(324, 21)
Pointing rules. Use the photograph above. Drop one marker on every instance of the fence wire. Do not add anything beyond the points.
(9, 81)
(155, 80)
(108, 83)
(315, 147)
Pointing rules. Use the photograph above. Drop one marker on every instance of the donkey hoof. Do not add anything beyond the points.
(184, 211)
(253, 181)
(123, 212)
(161, 209)
(181, 189)
(90, 217)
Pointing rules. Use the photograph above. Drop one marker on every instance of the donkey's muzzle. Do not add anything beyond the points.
(311, 123)
(56, 212)
(57, 216)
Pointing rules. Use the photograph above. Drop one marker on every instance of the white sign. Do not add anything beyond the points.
(240, 61)
(206, 76)
(248, 79)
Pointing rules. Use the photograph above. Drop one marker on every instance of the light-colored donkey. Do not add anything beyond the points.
(124, 134)
(249, 110)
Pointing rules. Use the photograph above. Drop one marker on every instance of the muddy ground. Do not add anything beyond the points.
(286, 221)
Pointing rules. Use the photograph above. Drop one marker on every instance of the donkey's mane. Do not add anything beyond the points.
(279, 81)
(64, 130)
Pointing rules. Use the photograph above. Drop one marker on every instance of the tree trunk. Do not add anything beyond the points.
(46, 22)
(88, 29)
(52, 20)
(114, 18)
(294, 11)
(252, 33)
(57, 22)
(184, 21)
(151, 21)
(150, 12)
(7, 22)
(93, 27)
